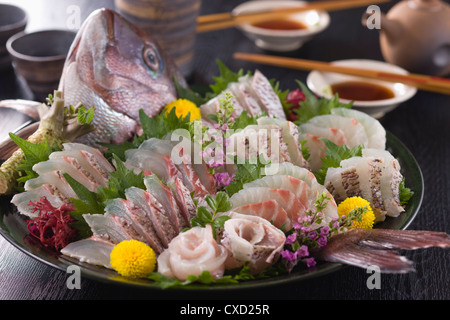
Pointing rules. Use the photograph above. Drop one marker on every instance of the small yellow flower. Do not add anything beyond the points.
(351, 203)
(183, 107)
(133, 258)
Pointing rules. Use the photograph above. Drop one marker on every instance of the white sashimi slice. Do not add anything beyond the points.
(213, 105)
(333, 183)
(54, 181)
(22, 200)
(94, 155)
(269, 100)
(375, 131)
(298, 187)
(290, 137)
(293, 207)
(191, 253)
(93, 250)
(255, 140)
(92, 162)
(154, 211)
(390, 180)
(354, 131)
(251, 239)
(107, 227)
(159, 164)
(317, 189)
(143, 228)
(270, 210)
(183, 198)
(164, 195)
(66, 165)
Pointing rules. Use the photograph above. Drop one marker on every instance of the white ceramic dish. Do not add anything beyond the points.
(283, 40)
(320, 83)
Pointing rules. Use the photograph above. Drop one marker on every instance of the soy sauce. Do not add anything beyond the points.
(361, 91)
(281, 25)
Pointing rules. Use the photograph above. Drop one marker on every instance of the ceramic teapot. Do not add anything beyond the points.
(415, 35)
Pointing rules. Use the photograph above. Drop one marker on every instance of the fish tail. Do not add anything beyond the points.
(365, 248)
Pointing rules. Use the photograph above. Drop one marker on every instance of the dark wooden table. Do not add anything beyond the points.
(422, 124)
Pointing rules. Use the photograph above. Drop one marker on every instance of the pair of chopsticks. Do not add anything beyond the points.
(225, 20)
(422, 82)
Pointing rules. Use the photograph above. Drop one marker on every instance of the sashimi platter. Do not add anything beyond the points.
(134, 176)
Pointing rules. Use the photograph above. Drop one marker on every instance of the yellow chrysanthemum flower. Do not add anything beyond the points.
(351, 203)
(133, 258)
(183, 107)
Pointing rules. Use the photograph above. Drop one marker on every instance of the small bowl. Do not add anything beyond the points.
(320, 83)
(39, 58)
(12, 20)
(283, 40)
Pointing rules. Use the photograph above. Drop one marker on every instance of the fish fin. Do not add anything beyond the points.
(366, 247)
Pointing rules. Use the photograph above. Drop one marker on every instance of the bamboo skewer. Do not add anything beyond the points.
(423, 82)
(227, 20)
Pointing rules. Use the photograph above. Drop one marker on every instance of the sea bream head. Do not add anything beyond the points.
(119, 69)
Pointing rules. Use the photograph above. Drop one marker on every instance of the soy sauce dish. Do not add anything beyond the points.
(282, 35)
(371, 96)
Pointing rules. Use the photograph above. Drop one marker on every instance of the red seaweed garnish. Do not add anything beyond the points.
(52, 225)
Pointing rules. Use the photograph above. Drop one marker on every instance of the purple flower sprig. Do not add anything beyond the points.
(309, 233)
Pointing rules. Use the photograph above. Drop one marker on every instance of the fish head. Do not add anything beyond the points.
(120, 64)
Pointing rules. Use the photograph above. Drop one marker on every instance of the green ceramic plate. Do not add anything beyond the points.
(13, 227)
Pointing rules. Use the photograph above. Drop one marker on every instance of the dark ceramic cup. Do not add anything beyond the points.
(39, 58)
(12, 20)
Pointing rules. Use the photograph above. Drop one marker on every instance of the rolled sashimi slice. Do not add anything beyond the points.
(93, 250)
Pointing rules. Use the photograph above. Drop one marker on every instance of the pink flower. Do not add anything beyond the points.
(291, 238)
(223, 178)
(310, 262)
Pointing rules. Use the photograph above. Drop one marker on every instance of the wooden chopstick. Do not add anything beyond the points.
(224, 20)
(423, 82)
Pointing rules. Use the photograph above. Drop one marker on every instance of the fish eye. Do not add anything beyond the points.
(151, 59)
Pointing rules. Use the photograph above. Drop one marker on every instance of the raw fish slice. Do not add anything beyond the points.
(251, 239)
(376, 133)
(292, 170)
(84, 161)
(353, 130)
(137, 218)
(270, 210)
(191, 253)
(93, 250)
(290, 137)
(255, 140)
(390, 180)
(164, 195)
(370, 175)
(94, 155)
(154, 212)
(298, 187)
(183, 198)
(107, 227)
(157, 145)
(269, 100)
(333, 183)
(70, 166)
(159, 164)
(293, 207)
(22, 200)
(54, 182)
(241, 91)
(213, 105)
